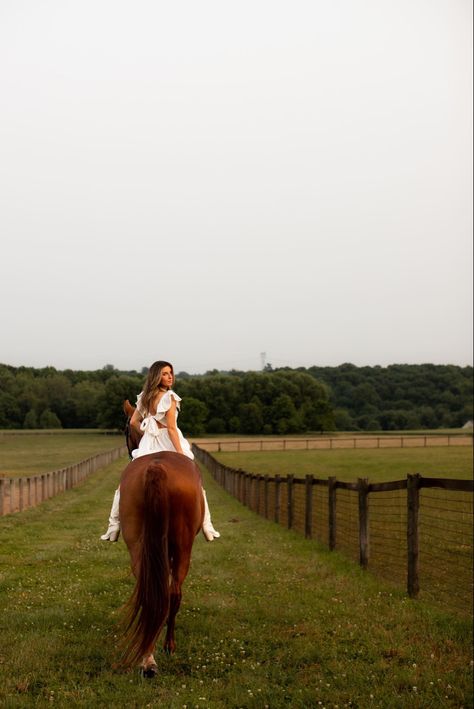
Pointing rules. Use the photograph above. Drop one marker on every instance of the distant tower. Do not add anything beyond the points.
(263, 357)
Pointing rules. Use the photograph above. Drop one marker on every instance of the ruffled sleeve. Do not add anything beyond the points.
(165, 403)
(139, 404)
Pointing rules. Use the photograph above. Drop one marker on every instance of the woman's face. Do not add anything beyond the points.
(166, 377)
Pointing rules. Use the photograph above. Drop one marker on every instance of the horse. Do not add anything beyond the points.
(161, 512)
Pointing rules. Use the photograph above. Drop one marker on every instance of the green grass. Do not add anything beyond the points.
(379, 465)
(28, 454)
(268, 620)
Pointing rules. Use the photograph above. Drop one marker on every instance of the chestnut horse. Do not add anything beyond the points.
(161, 512)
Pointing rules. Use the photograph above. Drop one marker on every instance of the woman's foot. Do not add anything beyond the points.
(207, 527)
(112, 534)
(209, 532)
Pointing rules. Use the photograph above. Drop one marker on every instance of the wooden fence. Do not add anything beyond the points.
(335, 443)
(17, 494)
(416, 532)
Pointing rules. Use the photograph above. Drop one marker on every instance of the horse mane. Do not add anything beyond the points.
(132, 437)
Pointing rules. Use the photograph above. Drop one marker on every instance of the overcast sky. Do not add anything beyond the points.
(206, 181)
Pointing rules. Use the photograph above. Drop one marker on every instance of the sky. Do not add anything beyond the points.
(226, 185)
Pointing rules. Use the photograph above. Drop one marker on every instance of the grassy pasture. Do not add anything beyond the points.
(32, 453)
(268, 620)
(379, 465)
(445, 518)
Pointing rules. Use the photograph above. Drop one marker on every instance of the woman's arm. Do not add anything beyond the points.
(171, 426)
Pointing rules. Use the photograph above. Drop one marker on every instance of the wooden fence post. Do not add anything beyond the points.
(289, 501)
(265, 492)
(413, 507)
(12, 495)
(2, 496)
(277, 498)
(332, 512)
(21, 483)
(363, 487)
(308, 512)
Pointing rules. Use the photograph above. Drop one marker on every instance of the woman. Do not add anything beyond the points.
(155, 416)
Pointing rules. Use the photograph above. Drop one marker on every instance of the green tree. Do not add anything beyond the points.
(86, 397)
(251, 418)
(234, 424)
(343, 420)
(192, 417)
(31, 419)
(216, 425)
(10, 411)
(48, 419)
(110, 405)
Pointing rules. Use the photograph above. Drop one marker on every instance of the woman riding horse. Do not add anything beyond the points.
(155, 417)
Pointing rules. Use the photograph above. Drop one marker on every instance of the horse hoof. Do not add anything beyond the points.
(150, 671)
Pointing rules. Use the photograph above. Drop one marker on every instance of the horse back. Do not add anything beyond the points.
(183, 492)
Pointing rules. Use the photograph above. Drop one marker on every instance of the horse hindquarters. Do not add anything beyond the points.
(150, 601)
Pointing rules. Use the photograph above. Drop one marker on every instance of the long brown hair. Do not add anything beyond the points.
(152, 382)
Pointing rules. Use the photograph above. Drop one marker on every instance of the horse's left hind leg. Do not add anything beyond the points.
(180, 568)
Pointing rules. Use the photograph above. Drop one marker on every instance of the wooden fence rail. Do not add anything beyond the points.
(417, 531)
(17, 494)
(336, 443)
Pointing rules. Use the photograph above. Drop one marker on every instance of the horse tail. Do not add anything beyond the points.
(148, 606)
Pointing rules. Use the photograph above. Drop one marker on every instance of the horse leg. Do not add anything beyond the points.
(180, 567)
(149, 667)
(135, 550)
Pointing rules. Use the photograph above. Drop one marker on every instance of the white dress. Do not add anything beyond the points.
(154, 438)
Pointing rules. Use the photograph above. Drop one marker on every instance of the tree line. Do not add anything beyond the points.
(271, 402)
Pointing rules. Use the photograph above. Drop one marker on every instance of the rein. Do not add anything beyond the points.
(127, 437)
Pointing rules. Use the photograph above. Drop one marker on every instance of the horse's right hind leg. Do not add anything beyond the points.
(149, 667)
(179, 571)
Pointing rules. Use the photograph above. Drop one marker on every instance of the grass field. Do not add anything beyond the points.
(379, 465)
(28, 454)
(445, 517)
(268, 620)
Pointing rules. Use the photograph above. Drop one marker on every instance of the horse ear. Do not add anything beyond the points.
(128, 408)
